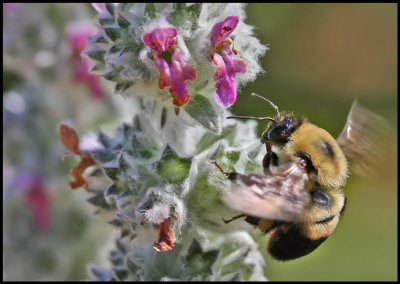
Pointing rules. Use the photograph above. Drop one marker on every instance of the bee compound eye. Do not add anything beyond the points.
(321, 198)
(304, 159)
(302, 163)
(287, 123)
(306, 162)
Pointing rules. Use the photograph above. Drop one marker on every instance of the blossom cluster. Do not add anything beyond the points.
(174, 71)
(189, 48)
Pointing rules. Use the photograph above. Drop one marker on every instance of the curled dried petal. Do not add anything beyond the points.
(69, 138)
(165, 236)
(77, 173)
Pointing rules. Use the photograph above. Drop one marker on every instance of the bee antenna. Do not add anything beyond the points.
(268, 101)
(252, 117)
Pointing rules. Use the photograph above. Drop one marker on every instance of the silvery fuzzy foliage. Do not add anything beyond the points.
(149, 179)
(233, 257)
(159, 165)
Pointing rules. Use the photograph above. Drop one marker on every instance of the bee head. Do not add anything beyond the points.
(280, 130)
(260, 118)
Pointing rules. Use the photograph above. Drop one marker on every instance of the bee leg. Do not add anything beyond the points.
(269, 159)
(268, 146)
(233, 218)
(174, 216)
(219, 167)
(230, 175)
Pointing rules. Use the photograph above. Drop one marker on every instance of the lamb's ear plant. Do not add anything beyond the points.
(179, 65)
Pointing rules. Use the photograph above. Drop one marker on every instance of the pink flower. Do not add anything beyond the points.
(82, 75)
(226, 61)
(173, 69)
(76, 38)
(37, 198)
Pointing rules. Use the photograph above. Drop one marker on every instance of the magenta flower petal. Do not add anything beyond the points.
(160, 39)
(223, 29)
(233, 64)
(174, 74)
(173, 69)
(226, 61)
(163, 67)
(184, 71)
(225, 90)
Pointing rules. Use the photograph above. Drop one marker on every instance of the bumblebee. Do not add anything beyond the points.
(299, 199)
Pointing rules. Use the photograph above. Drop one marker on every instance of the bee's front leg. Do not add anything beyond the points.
(269, 159)
(231, 175)
(233, 218)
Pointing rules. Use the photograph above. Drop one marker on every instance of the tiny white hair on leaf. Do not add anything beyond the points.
(188, 183)
(162, 198)
(159, 22)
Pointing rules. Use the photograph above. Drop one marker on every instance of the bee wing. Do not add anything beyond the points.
(361, 139)
(282, 196)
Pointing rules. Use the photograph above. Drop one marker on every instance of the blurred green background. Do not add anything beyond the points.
(322, 57)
